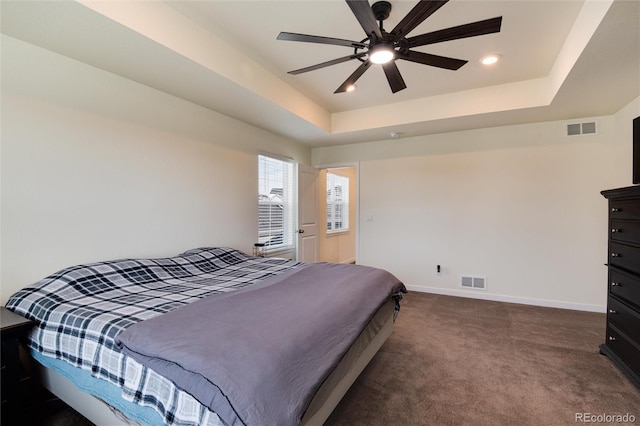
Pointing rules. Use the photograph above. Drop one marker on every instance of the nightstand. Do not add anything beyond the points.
(14, 329)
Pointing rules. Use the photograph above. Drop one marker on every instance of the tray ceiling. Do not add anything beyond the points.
(560, 60)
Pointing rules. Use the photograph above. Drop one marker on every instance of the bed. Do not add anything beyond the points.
(112, 336)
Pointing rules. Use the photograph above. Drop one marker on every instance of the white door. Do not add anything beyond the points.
(307, 214)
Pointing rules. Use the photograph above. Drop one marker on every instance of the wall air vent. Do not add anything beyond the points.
(575, 129)
(473, 282)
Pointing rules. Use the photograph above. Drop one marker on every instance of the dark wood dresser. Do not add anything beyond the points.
(622, 343)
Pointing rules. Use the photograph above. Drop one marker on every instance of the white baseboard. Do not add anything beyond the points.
(509, 299)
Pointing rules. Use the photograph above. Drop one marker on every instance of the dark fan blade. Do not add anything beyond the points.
(362, 10)
(354, 77)
(319, 39)
(328, 63)
(473, 29)
(418, 14)
(393, 76)
(433, 60)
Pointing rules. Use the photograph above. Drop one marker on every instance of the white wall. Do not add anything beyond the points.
(97, 167)
(520, 205)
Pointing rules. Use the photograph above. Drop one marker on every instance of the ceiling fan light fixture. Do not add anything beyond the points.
(381, 53)
(351, 88)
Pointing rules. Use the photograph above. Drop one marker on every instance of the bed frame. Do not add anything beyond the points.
(324, 402)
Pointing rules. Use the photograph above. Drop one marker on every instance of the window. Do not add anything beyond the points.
(337, 203)
(276, 215)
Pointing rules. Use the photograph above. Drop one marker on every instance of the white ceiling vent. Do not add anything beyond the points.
(575, 129)
(472, 282)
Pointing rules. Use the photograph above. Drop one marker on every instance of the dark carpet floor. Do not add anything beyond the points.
(456, 361)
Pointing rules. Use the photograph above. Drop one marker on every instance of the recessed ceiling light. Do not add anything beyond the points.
(490, 59)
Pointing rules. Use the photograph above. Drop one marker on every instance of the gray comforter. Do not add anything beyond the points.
(257, 356)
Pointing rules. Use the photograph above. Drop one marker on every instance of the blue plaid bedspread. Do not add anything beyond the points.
(80, 310)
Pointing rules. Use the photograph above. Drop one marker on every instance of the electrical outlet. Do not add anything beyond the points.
(438, 270)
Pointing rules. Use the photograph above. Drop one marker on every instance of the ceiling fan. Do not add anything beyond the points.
(384, 48)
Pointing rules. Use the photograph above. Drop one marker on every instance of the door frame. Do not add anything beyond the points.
(355, 165)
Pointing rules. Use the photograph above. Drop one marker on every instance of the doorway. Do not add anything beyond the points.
(337, 233)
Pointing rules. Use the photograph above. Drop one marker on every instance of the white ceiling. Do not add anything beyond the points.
(560, 60)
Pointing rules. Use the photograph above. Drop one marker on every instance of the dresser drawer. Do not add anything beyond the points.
(625, 286)
(626, 231)
(628, 209)
(624, 318)
(624, 348)
(624, 256)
